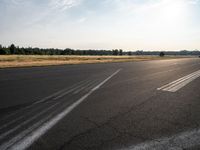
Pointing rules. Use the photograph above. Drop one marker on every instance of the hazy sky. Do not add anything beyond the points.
(101, 24)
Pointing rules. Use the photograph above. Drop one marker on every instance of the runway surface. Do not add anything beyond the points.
(123, 106)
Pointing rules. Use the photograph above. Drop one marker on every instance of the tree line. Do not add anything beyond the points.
(181, 52)
(12, 49)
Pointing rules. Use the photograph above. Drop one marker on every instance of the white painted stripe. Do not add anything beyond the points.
(44, 99)
(179, 86)
(180, 83)
(40, 101)
(82, 88)
(91, 86)
(176, 81)
(183, 80)
(26, 122)
(8, 145)
(31, 138)
(179, 141)
(67, 92)
(102, 83)
(59, 92)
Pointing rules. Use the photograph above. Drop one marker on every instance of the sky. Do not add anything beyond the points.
(101, 24)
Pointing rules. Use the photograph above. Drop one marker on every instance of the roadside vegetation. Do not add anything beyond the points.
(46, 60)
(16, 50)
(25, 57)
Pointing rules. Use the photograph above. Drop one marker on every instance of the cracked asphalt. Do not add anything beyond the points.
(127, 110)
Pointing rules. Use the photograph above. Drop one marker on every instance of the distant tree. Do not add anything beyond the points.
(129, 53)
(162, 54)
(139, 52)
(2, 51)
(51, 51)
(115, 52)
(12, 49)
(120, 52)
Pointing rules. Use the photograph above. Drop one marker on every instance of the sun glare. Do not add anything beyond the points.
(173, 12)
(171, 15)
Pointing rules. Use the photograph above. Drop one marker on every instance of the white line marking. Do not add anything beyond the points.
(179, 86)
(179, 141)
(102, 83)
(186, 78)
(91, 86)
(67, 92)
(35, 135)
(59, 92)
(167, 85)
(180, 83)
(27, 121)
(44, 99)
(82, 88)
(8, 145)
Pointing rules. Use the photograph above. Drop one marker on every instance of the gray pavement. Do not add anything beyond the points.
(101, 106)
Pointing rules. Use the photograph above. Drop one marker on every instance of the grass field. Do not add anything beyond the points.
(44, 60)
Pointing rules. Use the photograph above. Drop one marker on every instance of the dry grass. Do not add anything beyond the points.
(37, 60)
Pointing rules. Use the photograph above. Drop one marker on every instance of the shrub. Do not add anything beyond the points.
(162, 54)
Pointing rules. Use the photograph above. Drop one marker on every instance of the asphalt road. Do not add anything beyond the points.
(136, 105)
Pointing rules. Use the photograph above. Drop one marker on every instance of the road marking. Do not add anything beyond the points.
(91, 86)
(8, 145)
(60, 92)
(27, 121)
(179, 141)
(180, 83)
(84, 87)
(3, 135)
(177, 81)
(67, 92)
(27, 140)
(77, 85)
(41, 101)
